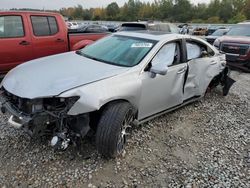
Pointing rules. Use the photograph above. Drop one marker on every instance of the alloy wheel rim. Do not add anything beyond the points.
(124, 133)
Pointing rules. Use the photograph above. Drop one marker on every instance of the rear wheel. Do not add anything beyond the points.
(113, 128)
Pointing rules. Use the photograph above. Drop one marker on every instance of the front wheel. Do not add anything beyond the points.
(113, 128)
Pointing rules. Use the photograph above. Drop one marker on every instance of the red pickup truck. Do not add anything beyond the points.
(26, 35)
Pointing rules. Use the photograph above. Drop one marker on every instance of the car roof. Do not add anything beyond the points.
(135, 23)
(244, 23)
(28, 12)
(144, 23)
(224, 29)
(152, 35)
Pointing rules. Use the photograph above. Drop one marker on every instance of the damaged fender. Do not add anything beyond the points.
(93, 96)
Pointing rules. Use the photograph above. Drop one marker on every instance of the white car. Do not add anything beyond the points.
(120, 80)
(72, 25)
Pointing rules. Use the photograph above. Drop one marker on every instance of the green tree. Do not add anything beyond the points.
(217, 11)
(78, 12)
(246, 9)
(213, 8)
(237, 18)
(166, 10)
(112, 10)
(226, 10)
(87, 14)
(214, 19)
(200, 11)
(124, 13)
(182, 11)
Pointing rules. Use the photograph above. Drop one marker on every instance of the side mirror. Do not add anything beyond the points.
(159, 68)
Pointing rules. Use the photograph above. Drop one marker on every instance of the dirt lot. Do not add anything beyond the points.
(205, 144)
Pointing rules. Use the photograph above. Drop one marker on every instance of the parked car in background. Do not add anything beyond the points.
(26, 35)
(112, 27)
(200, 31)
(218, 33)
(123, 79)
(184, 29)
(150, 26)
(212, 29)
(90, 28)
(72, 25)
(236, 45)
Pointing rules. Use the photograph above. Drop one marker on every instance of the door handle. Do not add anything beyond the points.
(24, 43)
(213, 62)
(182, 70)
(59, 40)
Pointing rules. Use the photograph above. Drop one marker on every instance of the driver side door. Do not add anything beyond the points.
(162, 92)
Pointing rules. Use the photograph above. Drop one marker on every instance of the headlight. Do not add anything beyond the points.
(57, 103)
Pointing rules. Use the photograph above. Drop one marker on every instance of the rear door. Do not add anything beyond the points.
(48, 38)
(203, 66)
(15, 41)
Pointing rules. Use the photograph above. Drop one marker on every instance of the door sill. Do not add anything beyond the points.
(187, 101)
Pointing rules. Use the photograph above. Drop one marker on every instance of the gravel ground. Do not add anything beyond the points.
(205, 144)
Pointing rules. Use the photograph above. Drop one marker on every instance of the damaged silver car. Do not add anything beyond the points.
(119, 81)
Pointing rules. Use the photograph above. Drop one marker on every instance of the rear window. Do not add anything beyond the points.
(11, 26)
(132, 27)
(44, 25)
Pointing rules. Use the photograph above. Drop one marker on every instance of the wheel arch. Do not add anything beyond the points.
(96, 115)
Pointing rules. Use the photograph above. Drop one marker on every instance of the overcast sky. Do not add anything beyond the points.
(57, 4)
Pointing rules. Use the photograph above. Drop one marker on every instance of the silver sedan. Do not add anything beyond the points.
(124, 79)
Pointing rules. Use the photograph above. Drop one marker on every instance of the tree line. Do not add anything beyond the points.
(217, 11)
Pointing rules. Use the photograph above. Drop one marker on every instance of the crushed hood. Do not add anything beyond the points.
(53, 75)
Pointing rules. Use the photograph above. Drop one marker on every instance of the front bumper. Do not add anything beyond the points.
(238, 61)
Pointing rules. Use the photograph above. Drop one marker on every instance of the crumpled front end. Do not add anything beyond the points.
(45, 117)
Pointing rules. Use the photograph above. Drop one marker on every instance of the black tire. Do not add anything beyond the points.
(110, 136)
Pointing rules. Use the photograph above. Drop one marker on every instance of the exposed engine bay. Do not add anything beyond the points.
(46, 117)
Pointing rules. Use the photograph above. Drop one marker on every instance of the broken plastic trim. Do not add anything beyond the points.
(227, 82)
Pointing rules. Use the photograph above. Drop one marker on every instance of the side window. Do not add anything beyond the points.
(174, 29)
(196, 49)
(193, 51)
(53, 25)
(154, 27)
(164, 27)
(11, 26)
(44, 26)
(169, 54)
(210, 51)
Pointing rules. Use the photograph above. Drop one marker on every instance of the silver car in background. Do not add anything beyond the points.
(124, 79)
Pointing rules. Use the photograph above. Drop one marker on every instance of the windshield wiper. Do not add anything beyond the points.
(78, 52)
(90, 57)
(94, 58)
